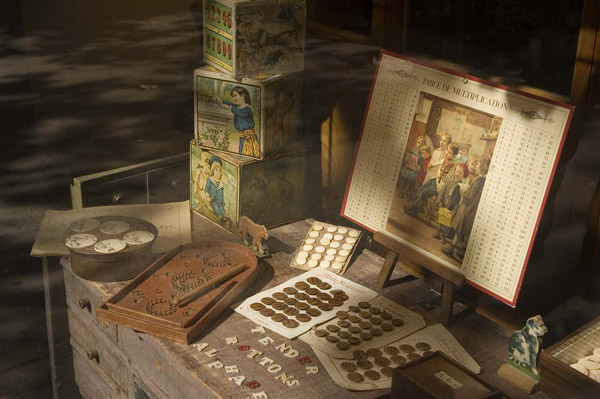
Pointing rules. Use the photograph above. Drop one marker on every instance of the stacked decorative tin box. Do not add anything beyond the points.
(247, 158)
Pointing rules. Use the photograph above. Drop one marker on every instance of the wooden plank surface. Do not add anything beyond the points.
(207, 365)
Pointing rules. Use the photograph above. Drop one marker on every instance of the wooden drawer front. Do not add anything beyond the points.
(100, 353)
(90, 380)
(84, 302)
(159, 369)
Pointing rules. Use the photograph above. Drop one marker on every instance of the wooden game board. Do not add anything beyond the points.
(149, 303)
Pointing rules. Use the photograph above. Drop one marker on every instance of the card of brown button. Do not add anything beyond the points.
(314, 312)
(376, 332)
(290, 323)
(268, 300)
(343, 346)
(398, 359)
(407, 348)
(387, 327)
(365, 335)
(279, 295)
(364, 364)
(332, 328)
(348, 366)
(301, 285)
(303, 317)
(290, 301)
(321, 333)
(332, 339)
(391, 350)
(387, 371)
(423, 346)
(324, 286)
(364, 305)
(302, 306)
(343, 323)
(326, 307)
(313, 280)
(257, 306)
(342, 315)
(372, 375)
(354, 309)
(267, 312)
(354, 340)
(356, 377)
(278, 317)
(324, 296)
(290, 290)
(291, 311)
(382, 361)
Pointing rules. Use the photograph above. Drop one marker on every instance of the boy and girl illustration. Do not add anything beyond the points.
(454, 180)
(209, 183)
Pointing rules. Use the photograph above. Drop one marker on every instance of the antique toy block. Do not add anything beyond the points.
(249, 38)
(224, 187)
(256, 117)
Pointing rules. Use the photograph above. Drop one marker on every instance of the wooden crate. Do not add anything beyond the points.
(250, 38)
(270, 192)
(274, 101)
(561, 381)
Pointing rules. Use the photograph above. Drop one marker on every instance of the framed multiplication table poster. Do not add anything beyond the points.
(457, 168)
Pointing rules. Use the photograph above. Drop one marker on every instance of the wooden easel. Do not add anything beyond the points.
(422, 267)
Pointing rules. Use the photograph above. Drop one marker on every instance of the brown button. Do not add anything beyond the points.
(324, 296)
(279, 295)
(301, 296)
(315, 301)
(398, 359)
(387, 327)
(267, 312)
(354, 329)
(354, 309)
(324, 286)
(397, 322)
(332, 328)
(365, 325)
(413, 356)
(279, 306)
(291, 311)
(359, 354)
(356, 377)
(268, 300)
(364, 364)
(312, 291)
(391, 350)
(332, 339)
(386, 316)
(343, 345)
(325, 307)
(364, 305)
(278, 317)
(341, 297)
(372, 375)
(302, 306)
(337, 292)
(423, 346)
(365, 335)
(335, 302)
(375, 310)
(382, 361)
(313, 280)
(290, 301)
(387, 371)
(342, 315)
(354, 319)
(257, 306)
(348, 366)
(373, 352)
(301, 285)
(354, 340)
(303, 317)
(290, 290)
(321, 333)
(365, 315)
(407, 348)
(290, 323)
(343, 323)
(343, 334)
(376, 332)
(314, 312)
(375, 320)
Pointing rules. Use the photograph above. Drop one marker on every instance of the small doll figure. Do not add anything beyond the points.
(243, 120)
